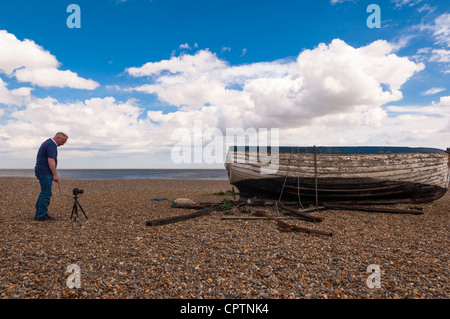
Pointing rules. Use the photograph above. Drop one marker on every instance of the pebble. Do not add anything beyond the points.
(207, 257)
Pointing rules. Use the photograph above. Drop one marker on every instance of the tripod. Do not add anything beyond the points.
(76, 204)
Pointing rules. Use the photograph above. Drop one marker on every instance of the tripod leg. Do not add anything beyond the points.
(82, 210)
(74, 209)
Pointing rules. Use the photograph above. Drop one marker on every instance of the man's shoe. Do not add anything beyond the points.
(48, 217)
(45, 217)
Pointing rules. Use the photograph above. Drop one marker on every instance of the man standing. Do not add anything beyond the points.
(45, 171)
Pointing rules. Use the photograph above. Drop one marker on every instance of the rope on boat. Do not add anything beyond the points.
(286, 177)
(447, 182)
(298, 182)
(315, 177)
(287, 173)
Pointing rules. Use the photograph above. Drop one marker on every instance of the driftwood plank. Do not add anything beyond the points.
(255, 218)
(175, 219)
(283, 227)
(372, 209)
(299, 214)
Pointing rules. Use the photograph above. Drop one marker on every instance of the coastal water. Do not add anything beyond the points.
(92, 174)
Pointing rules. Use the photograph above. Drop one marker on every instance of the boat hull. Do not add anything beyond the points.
(378, 175)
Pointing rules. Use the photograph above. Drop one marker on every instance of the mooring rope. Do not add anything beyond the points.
(298, 178)
(287, 172)
(298, 181)
(315, 177)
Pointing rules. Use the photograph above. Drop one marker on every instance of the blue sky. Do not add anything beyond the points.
(138, 70)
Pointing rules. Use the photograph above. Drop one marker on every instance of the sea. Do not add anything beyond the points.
(94, 174)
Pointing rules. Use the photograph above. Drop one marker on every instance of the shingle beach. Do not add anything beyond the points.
(210, 257)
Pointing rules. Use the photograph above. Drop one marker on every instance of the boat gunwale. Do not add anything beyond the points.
(339, 149)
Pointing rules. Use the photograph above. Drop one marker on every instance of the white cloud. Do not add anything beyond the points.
(440, 29)
(202, 61)
(333, 94)
(13, 97)
(444, 101)
(433, 91)
(30, 62)
(440, 55)
(427, 7)
(51, 77)
(282, 93)
(184, 46)
(430, 124)
(333, 2)
(441, 108)
(94, 125)
(401, 42)
(16, 54)
(401, 3)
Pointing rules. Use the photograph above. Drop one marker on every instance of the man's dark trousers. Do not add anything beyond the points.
(44, 197)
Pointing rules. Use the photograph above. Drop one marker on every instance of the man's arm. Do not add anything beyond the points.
(52, 164)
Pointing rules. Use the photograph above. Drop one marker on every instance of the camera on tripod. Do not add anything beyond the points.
(76, 204)
(77, 191)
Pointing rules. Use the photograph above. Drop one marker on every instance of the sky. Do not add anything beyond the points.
(136, 83)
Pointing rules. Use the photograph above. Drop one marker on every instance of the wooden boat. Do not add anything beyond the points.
(368, 175)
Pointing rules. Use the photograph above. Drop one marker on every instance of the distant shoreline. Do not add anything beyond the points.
(68, 169)
(121, 174)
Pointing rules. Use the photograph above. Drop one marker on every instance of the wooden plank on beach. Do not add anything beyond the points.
(299, 214)
(254, 218)
(175, 219)
(372, 209)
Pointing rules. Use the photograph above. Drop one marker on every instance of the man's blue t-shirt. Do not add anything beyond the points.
(47, 150)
